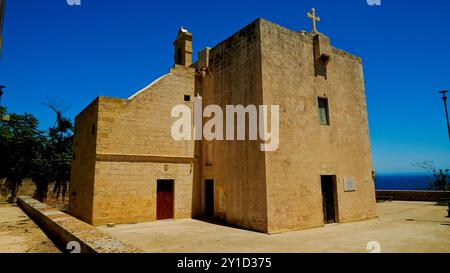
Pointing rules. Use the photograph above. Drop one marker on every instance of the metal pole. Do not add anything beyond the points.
(444, 98)
(1, 93)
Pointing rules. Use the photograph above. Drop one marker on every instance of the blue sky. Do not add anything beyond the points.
(114, 48)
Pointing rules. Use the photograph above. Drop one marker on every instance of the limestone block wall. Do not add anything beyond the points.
(238, 169)
(126, 146)
(83, 164)
(125, 192)
(123, 146)
(142, 124)
(307, 149)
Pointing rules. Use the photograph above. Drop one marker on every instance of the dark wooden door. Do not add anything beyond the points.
(328, 199)
(209, 198)
(164, 200)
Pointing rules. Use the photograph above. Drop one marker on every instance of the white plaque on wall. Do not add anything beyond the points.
(349, 184)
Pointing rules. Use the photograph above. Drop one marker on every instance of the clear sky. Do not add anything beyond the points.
(115, 48)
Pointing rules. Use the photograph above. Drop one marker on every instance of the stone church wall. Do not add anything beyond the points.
(308, 149)
(133, 149)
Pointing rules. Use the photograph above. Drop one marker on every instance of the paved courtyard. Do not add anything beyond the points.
(402, 227)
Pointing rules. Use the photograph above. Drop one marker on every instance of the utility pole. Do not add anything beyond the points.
(2, 15)
(444, 98)
(1, 93)
(3, 117)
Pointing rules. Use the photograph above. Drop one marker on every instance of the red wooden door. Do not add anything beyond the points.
(164, 200)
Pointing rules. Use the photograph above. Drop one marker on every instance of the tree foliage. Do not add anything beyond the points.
(19, 140)
(61, 141)
(27, 152)
(441, 177)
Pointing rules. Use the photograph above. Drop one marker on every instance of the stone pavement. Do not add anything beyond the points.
(403, 227)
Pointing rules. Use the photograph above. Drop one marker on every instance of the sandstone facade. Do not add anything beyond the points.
(124, 151)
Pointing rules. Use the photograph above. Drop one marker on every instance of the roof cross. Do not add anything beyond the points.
(314, 18)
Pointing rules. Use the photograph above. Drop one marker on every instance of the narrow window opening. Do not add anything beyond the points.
(209, 154)
(179, 57)
(321, 66)
(324, 113)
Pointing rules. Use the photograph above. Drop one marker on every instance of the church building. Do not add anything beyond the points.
(128, 168)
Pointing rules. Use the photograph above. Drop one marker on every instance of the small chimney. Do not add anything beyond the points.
(203, 58)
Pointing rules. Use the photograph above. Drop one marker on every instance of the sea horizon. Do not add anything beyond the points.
(404, 181)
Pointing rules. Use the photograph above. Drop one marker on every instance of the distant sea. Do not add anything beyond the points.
(403, 181)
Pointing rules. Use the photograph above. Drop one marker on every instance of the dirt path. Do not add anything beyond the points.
(19, 234)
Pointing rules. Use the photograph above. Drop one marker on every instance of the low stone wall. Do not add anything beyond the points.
(63, 228)
(425, 196)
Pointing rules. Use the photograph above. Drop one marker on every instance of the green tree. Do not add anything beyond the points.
(441, 177)
(54, 158)
(61, 137)
(19, 140)
(42, 172)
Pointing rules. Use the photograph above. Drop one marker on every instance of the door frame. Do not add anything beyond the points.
(335, 197)
(173, 198)
(205, 197)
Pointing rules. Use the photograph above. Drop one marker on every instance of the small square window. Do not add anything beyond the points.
(324, 112)
(187, 98)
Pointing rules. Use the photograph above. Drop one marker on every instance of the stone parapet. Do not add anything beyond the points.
(63, 228)
(424, 196)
